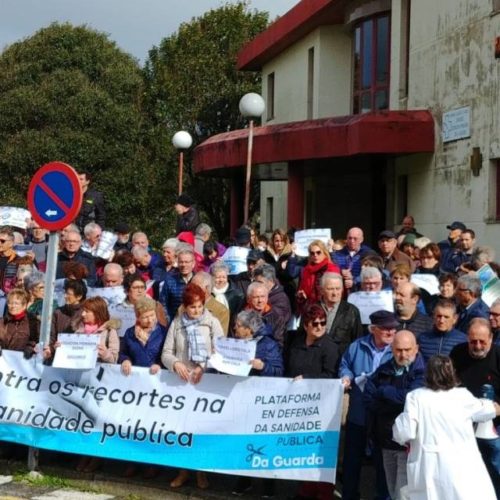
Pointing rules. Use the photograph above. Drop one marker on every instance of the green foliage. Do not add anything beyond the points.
(68, 93)
(192, 84)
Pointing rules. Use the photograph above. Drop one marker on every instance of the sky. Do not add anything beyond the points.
(135, 25)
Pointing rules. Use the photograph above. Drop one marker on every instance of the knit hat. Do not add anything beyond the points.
(243, 236)
(185, 200)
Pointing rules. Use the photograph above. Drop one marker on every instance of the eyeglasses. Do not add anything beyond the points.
(318, 252)
(138, 287)
(495, 315)
(70, 241)
(463, 289)
(318, 323)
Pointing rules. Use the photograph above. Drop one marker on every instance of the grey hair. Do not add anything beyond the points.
(254, 286)
(206, 279)
(330, 276)
(482, 255)
(33, 279)
(203, 230)
(496, 303)
(219, 266)
(472, 284)
(422, 242)
(113, 266)
(90, 228)
(183, 248)
(139, 252)
(370, 272)
(250, 319)
(267, 271)
(171, 243)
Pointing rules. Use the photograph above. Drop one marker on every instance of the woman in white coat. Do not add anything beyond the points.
(444, 461)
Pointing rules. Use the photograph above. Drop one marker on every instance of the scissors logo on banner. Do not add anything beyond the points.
(254, 452)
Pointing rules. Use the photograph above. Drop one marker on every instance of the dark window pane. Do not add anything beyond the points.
(357, 57)
(383, 50)
(355, 105)
(381, 100)
(367, 59)
(366, 104)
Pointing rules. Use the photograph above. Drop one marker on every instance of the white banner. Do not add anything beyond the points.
(303, 238)
(233, 356)
(113, 295)
(428, 282)
(369, 302)
(490, 284)
(78, 351)
(255, 426)
(14, 216)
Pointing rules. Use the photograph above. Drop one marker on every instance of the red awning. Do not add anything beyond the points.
(391, 132)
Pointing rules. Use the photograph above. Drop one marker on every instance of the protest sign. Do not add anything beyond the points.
(233, 356)
(236, 259)
(303, 238)
(14, 216)
(105, 246)
(369, 302)
(254, 426)
(427, 282)
(126, 314)
(490, 284)
(113, 295)
(78, 351)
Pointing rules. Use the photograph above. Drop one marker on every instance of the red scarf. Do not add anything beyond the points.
(311, 277)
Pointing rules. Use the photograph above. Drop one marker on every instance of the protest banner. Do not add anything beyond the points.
(105, 246)
(78, 351)
(233, 356)
(14, 216)
(369, 302)
(253, 426)
(113, 295)
(490, 284)
(236, 259)
(303, 238)
(125, 313)
(428, 282)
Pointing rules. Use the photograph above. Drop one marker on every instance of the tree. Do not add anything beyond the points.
(70, 94)
(192, 84)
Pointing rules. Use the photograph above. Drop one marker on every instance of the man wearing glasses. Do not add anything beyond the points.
(360, 360)
(8, 259)
(470, 305)
(495, 321)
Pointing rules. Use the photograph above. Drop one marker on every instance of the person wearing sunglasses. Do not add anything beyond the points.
(9, 260)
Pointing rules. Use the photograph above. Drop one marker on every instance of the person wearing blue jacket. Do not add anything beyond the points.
(360, 360)
(268, 362)
(444, 336)
(142, 345)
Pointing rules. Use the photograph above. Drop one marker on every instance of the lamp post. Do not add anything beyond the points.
(252, 106)
(181, 141)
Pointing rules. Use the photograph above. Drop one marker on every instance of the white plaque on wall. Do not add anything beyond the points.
(456, 124)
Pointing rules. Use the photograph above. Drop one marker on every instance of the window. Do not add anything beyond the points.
(371, 64)
(310, 83)
(270, 96)
(269, 215)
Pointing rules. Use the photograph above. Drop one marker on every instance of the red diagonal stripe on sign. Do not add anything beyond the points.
(53, 196)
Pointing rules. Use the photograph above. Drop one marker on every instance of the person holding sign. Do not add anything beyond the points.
(319, 262)
(142, 346)
(188, 346)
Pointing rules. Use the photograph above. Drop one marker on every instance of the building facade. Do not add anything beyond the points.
(374, 109)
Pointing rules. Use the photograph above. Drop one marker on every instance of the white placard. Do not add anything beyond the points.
(14, 216)
(428, 282)
(303, 238)
(105, 246)
(456, 124)
(236, 259)
(490, 284)
(78, 351)
(369, 302)
(113, 295)
(126, 315)
(233, 356)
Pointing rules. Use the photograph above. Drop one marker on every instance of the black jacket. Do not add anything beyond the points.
(188, 221)
(92, 209)
(82, 257)
(346, 326)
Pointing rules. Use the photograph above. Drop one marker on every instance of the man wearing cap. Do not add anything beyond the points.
(242, 280)
(477, 362)
(122, 231)
(360, 360)
(92, 205)
(406, 297)
(387, 244)
(450, 245)
(187, 214)
(235, 256)
(384, 397)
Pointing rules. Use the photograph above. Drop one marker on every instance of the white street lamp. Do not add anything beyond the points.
(252, 106)
(181, 141)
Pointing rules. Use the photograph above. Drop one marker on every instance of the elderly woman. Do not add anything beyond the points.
(34, 284)
(169, 249)
(189, 344)
(224, 291)
(25, 266)
(444, 460)
(142, 346)
(19, 330)
(319, 262)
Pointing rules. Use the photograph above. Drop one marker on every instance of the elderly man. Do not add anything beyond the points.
(371, 279)
(349, 257)
(258, 300)
(123, 242)
(201, 236)
(112, 275)
(470, 305)
(92, 232)
(343, 323)
(443, 337)
(176, 281)
(169, 250)
(92, 205)
(387, 244)
(406, 297)
(8, 259)
(140, 239)
(278, 299)
(360, 360)
(384, 397)
(495, 321)
(72, 252)
(478, 363)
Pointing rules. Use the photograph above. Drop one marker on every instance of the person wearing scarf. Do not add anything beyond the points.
(189, 344)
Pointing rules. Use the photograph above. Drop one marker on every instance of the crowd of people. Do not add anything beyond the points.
(400, 369)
